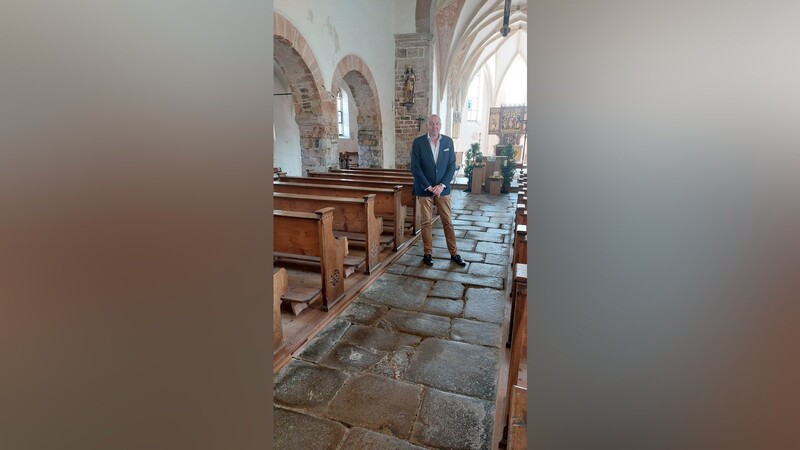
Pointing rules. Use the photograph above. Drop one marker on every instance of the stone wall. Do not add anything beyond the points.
(415, 50)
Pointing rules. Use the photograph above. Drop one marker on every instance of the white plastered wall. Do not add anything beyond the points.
(359, 27)
(286, 132)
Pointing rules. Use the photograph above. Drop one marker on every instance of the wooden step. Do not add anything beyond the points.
(299, 297)
(351, 263)
(359, 237)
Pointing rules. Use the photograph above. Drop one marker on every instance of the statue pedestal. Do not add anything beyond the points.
(477, 180)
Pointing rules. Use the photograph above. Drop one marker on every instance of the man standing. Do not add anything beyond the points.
(433, 164)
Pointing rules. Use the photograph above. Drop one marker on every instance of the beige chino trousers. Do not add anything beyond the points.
(426, 208)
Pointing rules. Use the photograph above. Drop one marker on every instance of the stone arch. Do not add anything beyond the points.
(315, 107)
(354, 72)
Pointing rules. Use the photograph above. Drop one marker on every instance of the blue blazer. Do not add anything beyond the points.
(425, 172)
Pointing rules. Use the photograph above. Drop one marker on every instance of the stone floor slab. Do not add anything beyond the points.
(466, 245)
(417, 323)
(397, 291)
(474, 332)
(324, 342)
(443, 307)
(486, 305)
(379, 339)
(475, 280)
(472, 218)
(361, 439)
(439, 232)
(487, 225)
(454, 421)
(305, 386)
(348, 357)
(488, 270)
(396, 269)
(294, 430)
(394, 364)
(427, 272)
(363, 313)
(378, 404)
(469, 227)
(455, 367)
(482, 236)
(447, 289)
(493, 258)
(491, 247)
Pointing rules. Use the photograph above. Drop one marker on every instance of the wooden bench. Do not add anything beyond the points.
(518, 419)
(380, 170)
(519, 337)
(387, 202)
(521, 217)
(311, 235)
(373, 173)
(280, 283)
(520, 244)
(413, 219)
(353, 218)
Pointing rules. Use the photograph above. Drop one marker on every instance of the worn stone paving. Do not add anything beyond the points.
(412, 362)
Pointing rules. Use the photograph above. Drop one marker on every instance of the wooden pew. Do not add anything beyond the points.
(521, 216)
(520, 244)
(374, 173)
(353, 218)
(379, 170)
(311, 235)
(280, 283)
(387, 201)
(518, 419)
(407, 197)
(519, 327)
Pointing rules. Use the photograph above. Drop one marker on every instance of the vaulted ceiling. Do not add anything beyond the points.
(467, 35)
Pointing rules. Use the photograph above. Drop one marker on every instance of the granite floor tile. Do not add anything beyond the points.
(351, 358)
(455, 367)
(378, 404)
(443, 307)
(420, 324)
(485, 304)
(294, 430)
(454, 421)
(475, 332)
(306, 386)
(361, 439)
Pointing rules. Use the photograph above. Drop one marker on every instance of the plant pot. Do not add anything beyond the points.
(506, 187)
(477, 180)
(494, 186)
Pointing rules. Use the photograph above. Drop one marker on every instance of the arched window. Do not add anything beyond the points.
(343, 115)
(473, 98)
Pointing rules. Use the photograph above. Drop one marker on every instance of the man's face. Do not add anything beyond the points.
(434, 125)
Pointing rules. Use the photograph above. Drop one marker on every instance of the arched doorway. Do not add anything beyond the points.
(353, 71)
(315, 108)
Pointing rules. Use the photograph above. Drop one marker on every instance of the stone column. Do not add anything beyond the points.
(415, 50)
(319, 137)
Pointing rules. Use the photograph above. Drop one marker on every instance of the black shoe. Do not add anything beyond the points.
(457, 259)
(428, 259)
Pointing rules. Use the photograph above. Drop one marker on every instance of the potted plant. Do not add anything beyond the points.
(473, 156)
(509, 166)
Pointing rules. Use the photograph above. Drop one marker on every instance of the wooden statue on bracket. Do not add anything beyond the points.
(408, 87)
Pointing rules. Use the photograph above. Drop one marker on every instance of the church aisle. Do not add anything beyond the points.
(413, 362)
